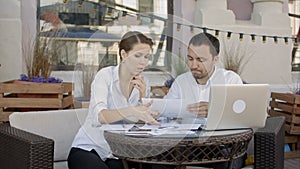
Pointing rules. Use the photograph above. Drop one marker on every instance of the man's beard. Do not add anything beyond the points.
(200, 75)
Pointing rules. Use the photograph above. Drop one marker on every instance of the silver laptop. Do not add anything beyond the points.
(230, 107)
(237, 106)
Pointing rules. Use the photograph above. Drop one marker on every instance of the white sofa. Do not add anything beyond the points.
(58, 125)
(42, 140)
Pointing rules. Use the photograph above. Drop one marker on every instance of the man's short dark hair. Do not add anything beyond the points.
(206, 39)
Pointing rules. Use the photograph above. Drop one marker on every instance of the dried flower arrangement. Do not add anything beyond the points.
(39, 54)
(88, 74)
(235, 55)
(295, 88)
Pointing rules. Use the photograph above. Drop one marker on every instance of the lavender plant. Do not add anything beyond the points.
(40, 79)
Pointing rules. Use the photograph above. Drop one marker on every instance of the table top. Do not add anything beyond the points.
(180, 147)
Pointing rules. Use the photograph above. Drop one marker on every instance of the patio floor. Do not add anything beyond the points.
(291, 163)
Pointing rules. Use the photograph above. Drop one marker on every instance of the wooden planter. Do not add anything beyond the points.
(288, 105)
(159, 91)
(30, 96)
(294, 142)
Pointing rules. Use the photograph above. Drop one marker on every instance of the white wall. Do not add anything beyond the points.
(269, 62)
(17, 27)
(28, 18)
(10, 41)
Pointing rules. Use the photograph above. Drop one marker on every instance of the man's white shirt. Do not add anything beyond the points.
(185, 85)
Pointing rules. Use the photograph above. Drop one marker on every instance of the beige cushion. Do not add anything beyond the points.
(59, 125)
(61, 165)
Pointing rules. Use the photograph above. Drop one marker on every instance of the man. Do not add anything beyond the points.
(194, 86)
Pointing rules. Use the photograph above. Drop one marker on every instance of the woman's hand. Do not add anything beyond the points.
(200, 108)
(143, 113)
(139, 83)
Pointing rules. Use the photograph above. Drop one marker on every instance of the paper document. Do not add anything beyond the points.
(170, 128)
(115, 127)
(170, 107)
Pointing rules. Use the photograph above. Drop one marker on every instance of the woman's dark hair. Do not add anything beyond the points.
(131, 38)
(206, 39)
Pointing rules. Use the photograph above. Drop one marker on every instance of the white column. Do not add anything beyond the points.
(216, 4)
(269, 13)
(11, 37)
(213, 12)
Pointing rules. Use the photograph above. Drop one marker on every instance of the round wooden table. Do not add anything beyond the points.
(180, 150)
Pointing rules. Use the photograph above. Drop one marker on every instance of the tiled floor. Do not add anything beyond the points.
(292, 163)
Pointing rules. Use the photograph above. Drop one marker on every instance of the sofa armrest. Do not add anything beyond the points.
(269, 144)
(23, 150)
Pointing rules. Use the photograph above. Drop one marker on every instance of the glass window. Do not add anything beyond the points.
(294, 11)
(88, 31)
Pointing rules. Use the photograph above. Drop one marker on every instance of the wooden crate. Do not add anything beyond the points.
(29, 96)
(81, 102)
(288, 105)
(159, 91)
(294, 143)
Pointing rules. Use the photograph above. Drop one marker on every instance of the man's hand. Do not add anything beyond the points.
(200, 108)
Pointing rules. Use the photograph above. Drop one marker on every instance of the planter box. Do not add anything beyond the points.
(81, 102)
(288, 105)
(30, 96)
(294, 143)
(159, 91)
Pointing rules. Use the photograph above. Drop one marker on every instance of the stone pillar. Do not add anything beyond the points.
(269, 13)
(214, 12)
(11, 40)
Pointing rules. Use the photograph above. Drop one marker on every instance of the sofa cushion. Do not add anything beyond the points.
(59, 125)
(61, 165)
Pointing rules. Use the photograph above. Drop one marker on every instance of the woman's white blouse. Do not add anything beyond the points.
(105, 94)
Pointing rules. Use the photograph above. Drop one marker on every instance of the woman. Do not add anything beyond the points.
(115, 95)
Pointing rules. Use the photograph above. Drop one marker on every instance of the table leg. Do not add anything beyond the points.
(230, 164)
(125, 164)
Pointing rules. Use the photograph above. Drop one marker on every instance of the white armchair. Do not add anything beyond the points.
(32, 134)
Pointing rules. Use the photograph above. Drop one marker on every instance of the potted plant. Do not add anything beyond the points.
(39, 54)
(235, 55)
(36, 90)
(88, 73)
